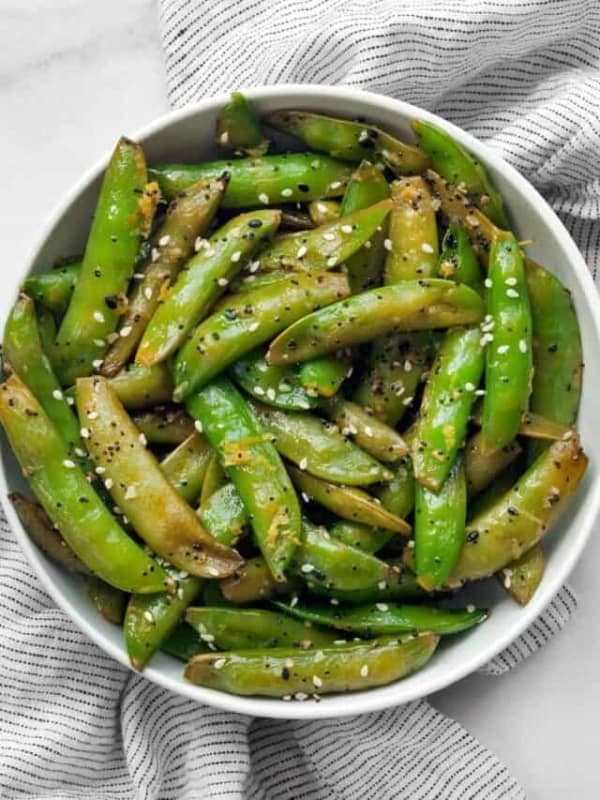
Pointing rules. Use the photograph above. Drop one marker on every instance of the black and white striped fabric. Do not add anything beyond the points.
(74, 725)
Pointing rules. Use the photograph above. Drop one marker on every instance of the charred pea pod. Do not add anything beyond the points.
(53, 289)
(142, 387)
(188, 217)
(201, 281)
(348, 502)
(224, 514)
(163, 425)
(440, 527)
(327, 246)
(458, 261)
(362, 537)
(253, 464)
(353, 141)
(323, 377)
(318, 447)
(253, 628)
(157, 512)
(519, 519)
(289, 178)
(410, 305)
(109, 602)
(249, 322)
(123, 214)
(68, 498)
(508, 347)
(254, 581)
(322, 212)
(522, 577)
(186, 466)
(412, 244)
(483, 468)
(374, 436)
(456, 165)
(238, 128)
(446, 406)
(288, 672)
(278, 386)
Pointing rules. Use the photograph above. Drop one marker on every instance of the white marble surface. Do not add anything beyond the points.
(74, 74)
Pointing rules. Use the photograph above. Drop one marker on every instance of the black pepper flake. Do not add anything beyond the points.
(473, 536)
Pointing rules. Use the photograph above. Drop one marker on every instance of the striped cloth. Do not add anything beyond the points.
(74, 724)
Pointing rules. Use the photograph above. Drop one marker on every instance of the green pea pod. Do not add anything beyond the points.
(398, 495)
(400, 584)
(557, 353)
(319, 448)
(535, 426)
(291, 177)
(394, 372)
(239, 130)
(224, 514)
(186, 466)
(323, 376)
(47, 537)
(183, 643)
(440, 527)
(277, 386)
(483, 468)
(410, 305)
(374, 436)
(508, 352)
(254, 582)
(68, 498)
(46, 325)
(458, 261)
(519, 519)
(142, 387)
(255, 628)
(122, 215)
(214, 479)
(164, 425)
(362, 537)
(253, 464)
(248, 282)
(188, 217)
(322, 212)
(23, 351)
(446, 406)
(456, 165)
(383, 619)
(109, 602)
(157, 512)
(294, 219)
(413, 239)
(522, 577)
(347, 502)
(502, 483)
(287, 673)
(353, 141)
(251, 321)
(53, 289)
(327, 246)
(202, 281)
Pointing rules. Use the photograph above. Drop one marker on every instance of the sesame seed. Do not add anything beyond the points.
(57, 394)
(98, 316)
(305, 497)
(408, 365)
(303, 463)
(331, 262)
(84, 433)
(294, 601)
(511, 281)
(382, 606)
(96, 364)
(346, 229)
(364, 670)
(479, 392)
(512, 293)
(224, 137)
(286, 192)
(411, 544)
(317, 682)
(254, 266)
(369, 431)
(368, 245)
(340, 641)
(336, 185)
(319, 656)
(69, 464)
(301, 252)
(264, 198)
(148, 293)
(287, 697)
(149, 616)
(220, 663)
(426, 247)
(80, 452)
(334, 601)
(198, 425)
(164, 240)
(130, 493)
(198, 243)
(112, 337)
(407, 401)
(100, 470)
(235, 257)
(142, 439)
(504, 348)
(470, 608)
(138, 276)
(301, 696)
(387, 243)
(155, 254)
(108, 483)
(92, 415)
(271, 393)
(258, 390)
(254, 326)
(469, 387)
(222, 282)
(207, 637)
(522, 345)
(487, 283)
(125, 331)
(307, 568)
(180, 593)
(99, 342)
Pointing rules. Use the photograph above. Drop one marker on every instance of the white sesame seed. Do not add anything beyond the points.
(69, 464)
(368, 245)
(340, 641)
(108, 483)
(305, 497)
(100, 470)
(148, 292)
(149, 616)
(407, 401)
(164, 240)
(96, 364)
(512, 293)
(235, 257)
(469, 387)
(154, 254)
(488, 318)
(479, 392)
(80, 452)
(125, 331)
(307, 568)
(408, 365)
(264, 198)
(511, 281)
(287, 192)
(382, 606)
(329, 237)
(138, 276)
(57, 394)
(99, 342)
(336, 185)
(503, 349)
(411, 544)
(130, 493)
(198, 426)
(346, 229)
(487, 283)
(301, 696)
(258, 390)
(303, 463)
(426, 247)
(112, 337)
(180, 593)
(319, 656)
(224, 137)
(254, 326)
(207, 637)
(387, 243)
(222, 282)
(198, 243)
(369, 431)
(271, 393)
(331, 262)
(98, 316)
(334, 601)
(254, 266)
(142, 439)
(92, 415)
(470, 608)
(364, 670)
(382, 585)
(220, 663)
(317, 682)
(287, 697)
(301, 251)
(84, 433)
(522, 345)
(294, 601)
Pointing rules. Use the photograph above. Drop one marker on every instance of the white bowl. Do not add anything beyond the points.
(187, 135)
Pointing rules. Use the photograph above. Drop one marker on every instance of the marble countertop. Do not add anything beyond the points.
(74, 75)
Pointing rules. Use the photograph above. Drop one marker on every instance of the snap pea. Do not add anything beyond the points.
(508, 362)
(46, 325)
(238, 128)
(323, 211)
(327, 246)
(482, 467)
(383, 619)
(224, 514)
(458, 261)
(254, 581)
(323, 376)
(68, 498)
(188, 217)
(253, 464)
(519, 519)
(53, 289)
(157, 512)
(186, 466)
(357, 534)
(439, 527)
(214, 478)
(256, 628)
(278, 386)
(293, 177)
(47, 537)
(138, 386)
(251, 321)
(410, 305)
(109, 602)
(163, 424)
(353, 141)
(522, 577)
(342, 668)
(123, 214)
(374, 436)
(319, 448)
(347, 502)
(456, 165)
(247, 283)
(446, 406)
(398, 495)
(22, 349)
(412, 250)
(400, 584)
(535, 426)
(202, 280)
(183, 643)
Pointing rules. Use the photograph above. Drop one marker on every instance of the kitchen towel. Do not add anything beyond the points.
(74, 724)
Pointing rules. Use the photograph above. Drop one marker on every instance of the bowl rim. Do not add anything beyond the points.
(373, 699)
